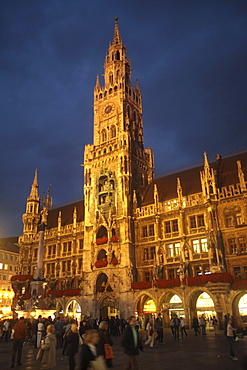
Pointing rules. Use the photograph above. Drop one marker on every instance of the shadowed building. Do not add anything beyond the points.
(174, 244)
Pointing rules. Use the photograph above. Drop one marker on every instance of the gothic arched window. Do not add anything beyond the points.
(113, 131)
(103, 135)
(117, 55)
(111, 78)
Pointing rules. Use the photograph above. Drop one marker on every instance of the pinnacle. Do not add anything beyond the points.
(116, 37)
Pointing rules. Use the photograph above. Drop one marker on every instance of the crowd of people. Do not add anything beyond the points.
(92, 338)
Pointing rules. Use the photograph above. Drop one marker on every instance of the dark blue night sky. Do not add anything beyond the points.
(190, 58)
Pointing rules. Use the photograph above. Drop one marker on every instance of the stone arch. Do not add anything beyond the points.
(167, 308)
(101, 232)
(235, 307)
(192, 302)
(141, 299)
(101, 280)
(101, 255)
(107, 306)
(73, 308)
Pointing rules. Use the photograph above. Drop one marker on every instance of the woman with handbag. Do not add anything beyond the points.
(89, 357)
(104, 346)
(48, 360)
(72, 345)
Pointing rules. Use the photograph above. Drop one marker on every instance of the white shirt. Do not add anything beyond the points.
(229, 331)
(41, 326)
(93, 349)
(6, 325)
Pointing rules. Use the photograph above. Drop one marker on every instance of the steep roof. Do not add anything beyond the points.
(8, 244)
(226, 174)
(66, 214)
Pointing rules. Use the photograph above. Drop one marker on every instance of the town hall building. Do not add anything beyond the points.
(138, 244)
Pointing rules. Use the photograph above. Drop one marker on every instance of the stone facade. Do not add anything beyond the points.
(135, 238)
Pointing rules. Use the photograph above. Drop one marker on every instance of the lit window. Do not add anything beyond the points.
(6, 266)
(204, 245)
(177, 249)
(198, 270)
(1, 266)
(170, 252)
(196, 246)
(238, 219)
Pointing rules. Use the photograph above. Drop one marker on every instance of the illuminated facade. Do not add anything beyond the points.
(9, 253)
(138, 244)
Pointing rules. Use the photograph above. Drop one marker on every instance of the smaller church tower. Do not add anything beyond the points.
(31, 218)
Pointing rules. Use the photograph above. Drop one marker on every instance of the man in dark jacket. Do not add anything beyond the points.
(20, 333)
(131, 344)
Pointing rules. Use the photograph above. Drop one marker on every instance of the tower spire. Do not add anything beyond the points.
(34, 193)
(116, 37)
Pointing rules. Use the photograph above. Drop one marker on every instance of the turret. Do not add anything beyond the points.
(31, 218)
(207, 179)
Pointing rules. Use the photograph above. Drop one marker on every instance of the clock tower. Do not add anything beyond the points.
(117, 170)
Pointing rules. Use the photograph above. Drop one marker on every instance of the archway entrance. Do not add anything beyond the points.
(108, 308)
(145, 309)
(205, 306)
(74, 310)
(176, 306)
(242, 308)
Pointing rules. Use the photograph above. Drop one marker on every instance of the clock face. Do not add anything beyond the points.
(108, 109)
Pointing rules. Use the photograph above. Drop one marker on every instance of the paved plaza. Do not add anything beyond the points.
(192, 352)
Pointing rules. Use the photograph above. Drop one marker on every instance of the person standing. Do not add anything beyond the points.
(176, 326)
(230, 337)
(172, 326)
(131, 344)
(104, 346)
(20, 333)
(5, 331)
(203, 324)
(66, 333)
(215, 326)
(58, 326)
(158, 327)
(72, 345)
(182, 327)
(89, 350)
(195, 325)
(48, 360)
(40, 331)
(150, 333)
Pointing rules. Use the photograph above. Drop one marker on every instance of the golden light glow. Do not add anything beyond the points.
(242, 305)
(6, 297)
(149, 307)
(175, 299)
(204, 300)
